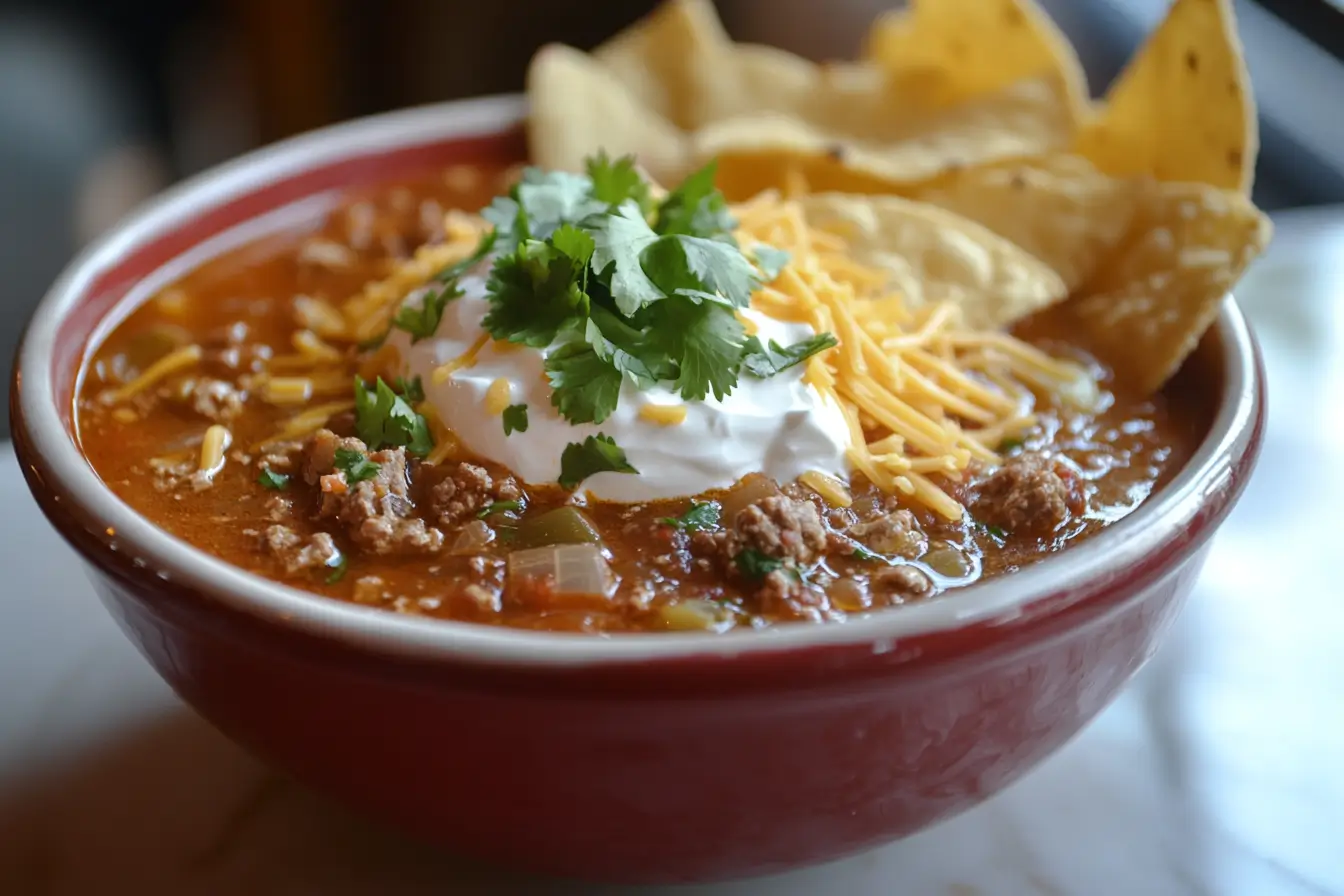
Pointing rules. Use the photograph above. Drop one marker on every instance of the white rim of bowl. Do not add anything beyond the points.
(1003, 599)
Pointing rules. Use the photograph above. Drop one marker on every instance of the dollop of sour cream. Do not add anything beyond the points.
(779, 426)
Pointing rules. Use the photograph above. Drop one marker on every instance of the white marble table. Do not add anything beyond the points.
(1221, 770)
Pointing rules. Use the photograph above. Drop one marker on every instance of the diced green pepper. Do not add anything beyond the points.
(563, 525)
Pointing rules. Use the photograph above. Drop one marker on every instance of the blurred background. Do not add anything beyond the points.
(105, 102)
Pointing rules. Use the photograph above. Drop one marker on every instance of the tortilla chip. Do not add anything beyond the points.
(1182, 109)
(753, 102)
(671, 59)
(742, 177)
(1146, 308)
(934, 255)
(975, 47)
(1058, 208)
(577, 106)
(869, 125)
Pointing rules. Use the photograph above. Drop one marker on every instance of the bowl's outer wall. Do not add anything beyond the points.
(647, 788)
(681, 769)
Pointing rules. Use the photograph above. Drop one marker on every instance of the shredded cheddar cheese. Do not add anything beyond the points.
(305, 423)
(320, 317)
(467, 359)
(213, 445)
(177, 360)
(922, 395)
(369, 314)
(663, 414)
(498, 395)
(287, 389)
(309, 345)
(830, 488)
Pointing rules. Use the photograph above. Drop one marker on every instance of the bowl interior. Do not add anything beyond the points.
(293, 182)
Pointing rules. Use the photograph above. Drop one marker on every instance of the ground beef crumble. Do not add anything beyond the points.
(902, 582)
(892, 533)
(783, 528)
(779, 527)
(783, 593)
(216, 400)
(297, 553)
(279, 508)
(280, 456)
(376, 512)
(1030, 493)
(467, 490)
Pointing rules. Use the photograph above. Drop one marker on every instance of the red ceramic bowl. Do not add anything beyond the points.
(634, 757)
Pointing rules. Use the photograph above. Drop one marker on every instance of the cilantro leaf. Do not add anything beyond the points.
(413, 390)
(1008, 445)
(696, 208)
(355, 465)
(533, 292)
(538, 204)
(862, 553)
(762, 362)
(770, 260)
(643, 372)
(498, 507)
(990, 529)
(338, 568)
(515, 419)
(700, 515)
(584, 387)
(595, 454)
(422, 321)
(615, 182)
(276, 482)
(383, 418)
(706, 343)
(621, 239)
(701, 269)
(575, 243)
(755, 565)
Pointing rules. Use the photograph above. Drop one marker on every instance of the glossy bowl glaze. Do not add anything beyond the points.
(635, 757)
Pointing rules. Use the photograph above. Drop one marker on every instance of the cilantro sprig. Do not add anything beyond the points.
(384, 419)
(618, 288)
(770, 260)
(276, 482)
(338, 566)
(499, 507)
(618, 181)
(356, 466)
(701, 515)
(595, 454)
(413, 390)
(515, 419)
(768, 360)
(756, 565)
(998, 533)
(422, 320)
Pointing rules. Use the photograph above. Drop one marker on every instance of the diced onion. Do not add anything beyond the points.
(754, 487)
(570, 569)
